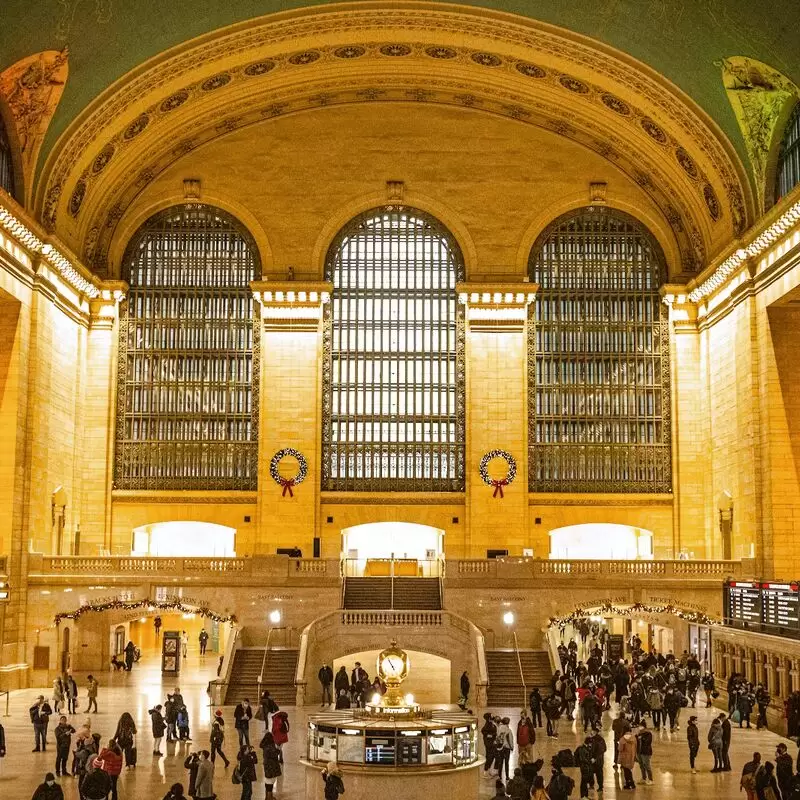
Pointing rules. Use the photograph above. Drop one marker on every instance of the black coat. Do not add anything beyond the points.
(157, 723)
(45, 792)
(341, 681)
(325, 676)
(2, 742)
(242, 716)
(247, 766)
(465, 685)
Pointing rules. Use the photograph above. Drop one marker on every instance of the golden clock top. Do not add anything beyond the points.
(393, 650)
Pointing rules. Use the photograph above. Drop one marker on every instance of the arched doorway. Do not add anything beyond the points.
(402, 549)
(184, 538)
(601, 540)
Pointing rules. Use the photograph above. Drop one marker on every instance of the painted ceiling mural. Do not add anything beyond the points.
(684, 40)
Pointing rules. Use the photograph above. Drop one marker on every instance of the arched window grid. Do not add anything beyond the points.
(599, 368)
(189, 355)
(789, 157)
(393, 361)
(6, 161)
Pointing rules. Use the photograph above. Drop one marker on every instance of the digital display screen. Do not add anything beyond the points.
(744, 602)
(379, 750)
(780, 605)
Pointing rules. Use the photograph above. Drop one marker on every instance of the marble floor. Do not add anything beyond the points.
(21, 771)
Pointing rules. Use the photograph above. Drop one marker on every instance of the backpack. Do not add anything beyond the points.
(564, 758)
(561, 785)
(749, 780)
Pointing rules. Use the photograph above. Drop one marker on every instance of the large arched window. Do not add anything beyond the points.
(6, 161)
(187, 406)
(599, 410)
(393, 395)
(789, 156)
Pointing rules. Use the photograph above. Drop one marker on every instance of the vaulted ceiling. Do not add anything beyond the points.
(684, 40)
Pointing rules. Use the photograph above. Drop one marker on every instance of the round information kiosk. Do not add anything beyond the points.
(392, 746)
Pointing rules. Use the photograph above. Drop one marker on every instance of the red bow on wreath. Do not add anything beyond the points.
(498, 487)
(287, 484)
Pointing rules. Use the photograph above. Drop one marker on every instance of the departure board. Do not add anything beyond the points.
(744, 603)
(780, 605)
(379, 750)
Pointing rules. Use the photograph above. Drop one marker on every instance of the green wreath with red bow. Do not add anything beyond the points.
(288, 483)
(510, 474)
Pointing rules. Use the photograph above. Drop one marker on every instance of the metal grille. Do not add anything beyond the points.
(393, 396)
(6, 165)
(598, 361)
(789, 157)
(187, 391)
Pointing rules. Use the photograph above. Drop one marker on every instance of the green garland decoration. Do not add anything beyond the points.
(150, 605)
(607, 609)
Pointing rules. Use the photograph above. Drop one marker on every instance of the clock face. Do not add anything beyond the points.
(392, 666)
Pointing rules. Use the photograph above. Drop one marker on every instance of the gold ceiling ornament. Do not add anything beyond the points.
(761, 98)
(32, 89)
(525, 70)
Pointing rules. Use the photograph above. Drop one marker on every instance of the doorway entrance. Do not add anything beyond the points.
(392, 549)
(184, 538)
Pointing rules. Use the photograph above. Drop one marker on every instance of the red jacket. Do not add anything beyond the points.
(109, 761)
(278, 733)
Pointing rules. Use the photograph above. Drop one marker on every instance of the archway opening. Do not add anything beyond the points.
(429, 679)
(184, 538)
(601, 540)
(402, 549)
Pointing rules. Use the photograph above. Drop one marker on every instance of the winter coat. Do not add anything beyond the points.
(517, 788)
(247, 766)
(109, 761)
(204, 782)
(644, 743)
(693, 735)
(465, 685)
(270, 756)
(64, 736)
(627, 751)
(325, 676)
(157, 723)
(715, 737)
(280, 727)
(341, 681)
(95, 785)
(217, 732)
(125, 734)
(526, 733)
(334, 786)
(242, 715)
(45, 792)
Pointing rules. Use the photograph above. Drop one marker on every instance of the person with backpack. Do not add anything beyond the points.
(627, 758)
(560, 786)
(182, 724)
(280, 730)
(715, 745)
(672, 707)
(517, 788)
(217, 738)
(334, 785)
(693, 740)
(535, 705)
(268, 707)
(750, 773)
(644, 753)
(271, 761)
(655, 703)
(584, 759)
(158, 726)
(125, 737)
(766, 783)
(504, 747)
(63, 733)
(526, 739)
(489, 734)
(245, 772)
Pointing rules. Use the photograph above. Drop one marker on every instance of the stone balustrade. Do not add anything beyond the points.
(391, 618)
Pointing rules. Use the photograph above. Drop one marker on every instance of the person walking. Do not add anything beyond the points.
(63, 734)
(767, 784)
(271, 761)
(184, 645)
(599, 756)
(268, 707)
(325, 676)
(750, 773)
(125, 737)
(109, 760)
(644, 753)
(218, 738)
(242, 715)
(784, 770)
(204, 782)
(49, 790)
(40, 713)
(726, 742)
(489, 735)
(627, 758)
(203, 639)
(247, 760)
(693, 740)
(334, 785)
(158, 726)
(130, 655)
(526, 739)
(280, 731)
(465, 686)
(91, 693)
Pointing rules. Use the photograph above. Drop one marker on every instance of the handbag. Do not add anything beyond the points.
(236, 778)
(260, 713)
(736, 717)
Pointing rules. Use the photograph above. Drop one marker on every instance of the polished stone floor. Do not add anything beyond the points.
(21, 771)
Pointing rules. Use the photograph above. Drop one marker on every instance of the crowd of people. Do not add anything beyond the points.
(351, 690)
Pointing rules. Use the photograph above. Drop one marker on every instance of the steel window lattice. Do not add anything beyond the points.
(188, 367)
(598, 362)
(789, 156)
(393, 364)
(6, 162)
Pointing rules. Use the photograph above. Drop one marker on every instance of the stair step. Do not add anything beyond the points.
(279, 672)
(505, 686)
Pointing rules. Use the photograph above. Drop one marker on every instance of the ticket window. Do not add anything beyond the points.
(440, 747)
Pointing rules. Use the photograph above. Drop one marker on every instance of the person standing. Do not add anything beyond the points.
(503, 748)
(184, 644)
(585, 762)
(325, 676)
(268, 707)
(784, 770)
(334, 785)
(537, 790)
(341, 681)
(750, 773)
(63, 733)
(157, 626)
(280, 730)
(489, 735)
(726, 742)
(715, 744)
(218, 738)
(175, 792)
(644, 753)
(71, 693)
(159, 726)
(693, 740)
(465, 686)
(517, 788)
(130, 655)
(40, 713)
(204, 782)
(627, 758)
(766, 783)
(49, 790)
(271, 761)
(91, 693)
(247, 760)
(109, 761)
(599, 756)
(191, 764)
(203, 639)
(535, 705)
(526, 738)
(2, 742)
(58, 695)
(242, 715)
(125, 737)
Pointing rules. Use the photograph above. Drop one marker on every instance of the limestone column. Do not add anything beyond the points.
(289, 411)
(497, 413)
(759, 667)
(793, 675)
(772, 684)
(783, 677)
(748, 663)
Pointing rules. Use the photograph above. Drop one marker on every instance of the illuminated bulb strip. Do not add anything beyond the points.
(761, 243)
(55, 258)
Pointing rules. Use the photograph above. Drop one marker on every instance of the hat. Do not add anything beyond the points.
(692, 719)
(218, 712)
(49, 777)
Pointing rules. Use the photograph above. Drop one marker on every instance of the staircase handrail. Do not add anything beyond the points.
(231, 646)
(264, 662)
(521, 673)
